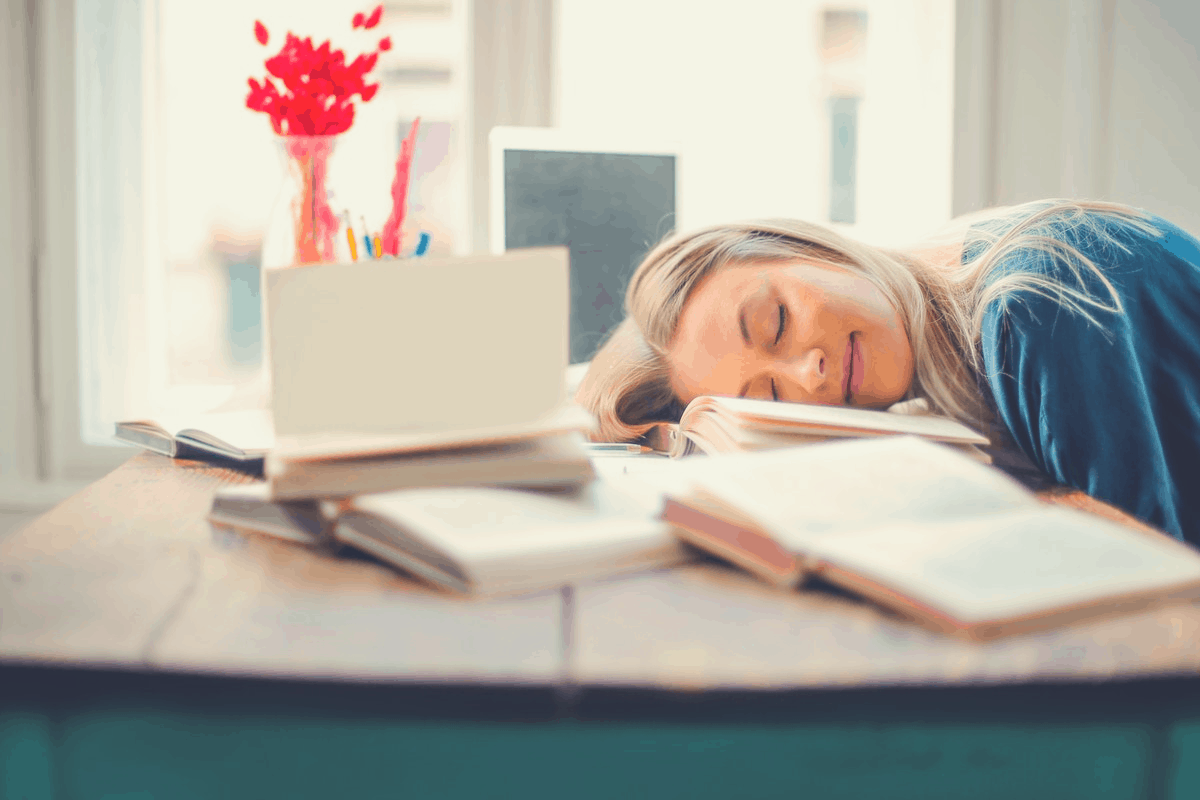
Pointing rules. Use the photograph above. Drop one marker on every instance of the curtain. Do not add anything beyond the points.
(1092, 99)
(20, 456)
(511, 60)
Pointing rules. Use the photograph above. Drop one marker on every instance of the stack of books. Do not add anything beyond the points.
(419, 413)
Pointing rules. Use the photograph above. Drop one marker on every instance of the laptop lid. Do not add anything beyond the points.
(393, 347)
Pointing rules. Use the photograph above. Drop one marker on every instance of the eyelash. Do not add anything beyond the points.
(782, 323)
(774, 392)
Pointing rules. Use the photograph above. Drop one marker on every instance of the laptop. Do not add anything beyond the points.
(399, 347)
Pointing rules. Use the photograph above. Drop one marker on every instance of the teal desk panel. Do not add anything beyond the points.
(77, 735)
(26, 755)
(192, 756)
(1183, 768)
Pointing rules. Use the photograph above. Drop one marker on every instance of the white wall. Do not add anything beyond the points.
(1091, 99)
(739, 87)
(907, 120)
(1154, 140)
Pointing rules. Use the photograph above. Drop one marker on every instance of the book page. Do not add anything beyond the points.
(1005, 566)
(839, 420)
(804, 495)
(505, 540)
(248, 430)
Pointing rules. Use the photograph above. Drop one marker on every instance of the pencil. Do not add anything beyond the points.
(366, 239)
(616, 447)
(350, 239)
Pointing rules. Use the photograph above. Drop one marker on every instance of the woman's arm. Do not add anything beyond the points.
(1111, 407)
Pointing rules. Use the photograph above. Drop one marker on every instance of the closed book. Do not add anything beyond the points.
(557, 459)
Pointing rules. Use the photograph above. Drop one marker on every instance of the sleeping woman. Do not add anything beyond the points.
(1069, 332)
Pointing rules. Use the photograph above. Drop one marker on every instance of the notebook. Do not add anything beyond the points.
(928, 533)
(714, 425)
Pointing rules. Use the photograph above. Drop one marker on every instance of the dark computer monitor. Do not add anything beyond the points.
(609, 205)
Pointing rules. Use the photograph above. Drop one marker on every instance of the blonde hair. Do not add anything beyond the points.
(628, 386)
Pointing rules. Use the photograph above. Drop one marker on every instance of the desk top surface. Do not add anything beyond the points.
(129, 574)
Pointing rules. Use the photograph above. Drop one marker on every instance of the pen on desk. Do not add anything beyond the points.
(617, 447)
(350, 238)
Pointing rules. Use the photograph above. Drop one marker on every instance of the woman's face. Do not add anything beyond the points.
(792, 331)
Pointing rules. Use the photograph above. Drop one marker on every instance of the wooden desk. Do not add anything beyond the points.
(145, 652)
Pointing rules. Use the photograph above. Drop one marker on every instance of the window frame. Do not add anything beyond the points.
(67, 455)
(20, 421)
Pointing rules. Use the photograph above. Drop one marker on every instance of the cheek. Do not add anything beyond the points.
(896, 368)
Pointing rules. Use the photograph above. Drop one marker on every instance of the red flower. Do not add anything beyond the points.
(317, 88)
(357, 21)
(260, 32)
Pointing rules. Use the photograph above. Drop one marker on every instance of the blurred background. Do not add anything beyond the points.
(135, 186)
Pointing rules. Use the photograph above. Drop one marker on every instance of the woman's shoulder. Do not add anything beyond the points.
(1042, 237)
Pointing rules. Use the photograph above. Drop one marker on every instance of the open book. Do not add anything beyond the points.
(928, 533)
(249, 507)
(239, 439)
(736, 424)
(498, 541)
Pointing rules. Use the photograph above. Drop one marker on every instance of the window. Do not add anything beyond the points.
(825, 111)
(843, 42)
(178, 180)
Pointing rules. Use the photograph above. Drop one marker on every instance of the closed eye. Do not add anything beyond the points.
(782, 324)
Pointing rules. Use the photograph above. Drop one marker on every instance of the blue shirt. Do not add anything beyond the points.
(1111, 409)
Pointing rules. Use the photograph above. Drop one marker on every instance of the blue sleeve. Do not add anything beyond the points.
(1111, 409)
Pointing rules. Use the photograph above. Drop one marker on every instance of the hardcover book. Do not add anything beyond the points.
(928, 533)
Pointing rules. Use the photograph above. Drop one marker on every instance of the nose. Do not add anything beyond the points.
(809, 372)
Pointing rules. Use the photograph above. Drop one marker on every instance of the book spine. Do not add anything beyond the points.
(748, 548)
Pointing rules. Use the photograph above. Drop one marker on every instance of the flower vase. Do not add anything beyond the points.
(303, 227)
